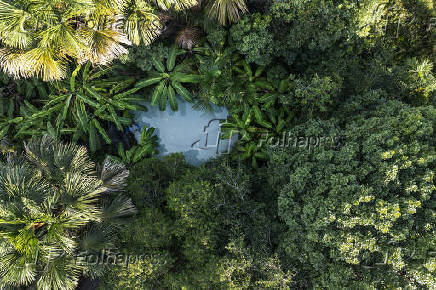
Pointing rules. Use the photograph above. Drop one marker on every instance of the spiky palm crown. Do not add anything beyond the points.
(187, 38)
(41, 37)
(50, 208)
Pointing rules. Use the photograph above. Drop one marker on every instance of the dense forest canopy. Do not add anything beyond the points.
(331, 184)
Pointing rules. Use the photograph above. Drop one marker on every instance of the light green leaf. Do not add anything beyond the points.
(73, 78)
(148, 82)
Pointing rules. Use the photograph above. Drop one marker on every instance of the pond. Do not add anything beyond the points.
(195, 133)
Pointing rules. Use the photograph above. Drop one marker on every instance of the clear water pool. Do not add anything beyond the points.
(194, 133)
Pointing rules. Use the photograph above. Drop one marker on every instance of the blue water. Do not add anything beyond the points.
(195, 133)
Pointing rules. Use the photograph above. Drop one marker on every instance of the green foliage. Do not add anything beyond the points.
(293, 30)
(248, 135)
(313, 96)
(214, 67)
(416, 81)
(307, 29)
(356, 210)
(79, 108)
(257, 110)
(411, 80)
(252, 38)
(169, 80)
(361, 215)
(216, 36)
(27, 88)
(54, 206)
(403, 25)
(204, 223)
(143, 56)
(146, 273)
(148, 189)
(12, 94)
(145, 148)
(150, 233)
(243, 269)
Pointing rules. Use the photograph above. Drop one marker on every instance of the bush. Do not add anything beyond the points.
(149, 179)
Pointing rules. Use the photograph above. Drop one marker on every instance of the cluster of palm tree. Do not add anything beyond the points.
(55, 204)
(40, 38)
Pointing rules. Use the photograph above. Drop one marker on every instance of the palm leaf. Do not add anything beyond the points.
(182, 91)
(226, 11)
(163, 98)
(172, 98)
(157, 93)
(148, 82)
(171, 60)
(101, 131)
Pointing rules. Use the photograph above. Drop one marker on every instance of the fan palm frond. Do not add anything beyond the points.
(68, 41)
(142, 25)
(37, 61)
(60, 267)
(119, 207)
(12, 22)
(226, 11)
(104, 46)
(108, 7)
(179, 5)
(175, 4)
(16, 38)
(97, 237)
(114, 175)
(15, 269)
(12, 30)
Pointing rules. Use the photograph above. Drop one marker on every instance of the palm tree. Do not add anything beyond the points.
(226, 11)
(39, 38)
(53, 205)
